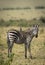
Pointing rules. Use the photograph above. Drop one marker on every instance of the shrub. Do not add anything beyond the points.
(42, 19)
(22, 22)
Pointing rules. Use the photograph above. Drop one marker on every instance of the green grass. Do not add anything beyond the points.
(17, 58)
(21, 22)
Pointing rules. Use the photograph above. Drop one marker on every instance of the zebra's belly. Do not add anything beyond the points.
(19, 41)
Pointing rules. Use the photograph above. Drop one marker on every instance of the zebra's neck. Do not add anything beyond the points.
(31, 35)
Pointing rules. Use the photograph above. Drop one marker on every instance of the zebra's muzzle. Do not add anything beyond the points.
(36, 36)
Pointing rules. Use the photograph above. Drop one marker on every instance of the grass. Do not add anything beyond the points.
(21, 22)
(17, 58)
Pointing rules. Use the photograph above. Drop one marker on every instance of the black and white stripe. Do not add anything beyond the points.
(15, 36)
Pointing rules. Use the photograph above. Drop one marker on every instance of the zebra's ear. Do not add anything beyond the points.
(20, 28)
(37, 25)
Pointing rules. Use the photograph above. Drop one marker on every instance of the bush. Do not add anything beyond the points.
(22, 22)
(42, 19)
(2, 22)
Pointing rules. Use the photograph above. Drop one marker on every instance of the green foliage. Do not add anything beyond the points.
(11, 57)
(1, 59)
(6, 61)
(42, 19)
(17, 8)
(21, 22)
(44, 43)
(40, 7)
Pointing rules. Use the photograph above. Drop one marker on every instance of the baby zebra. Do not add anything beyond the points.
(19, 37)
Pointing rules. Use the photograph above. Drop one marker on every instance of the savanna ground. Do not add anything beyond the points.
(37, 44)
(37, 49)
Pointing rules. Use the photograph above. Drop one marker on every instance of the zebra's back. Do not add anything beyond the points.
(15, 36)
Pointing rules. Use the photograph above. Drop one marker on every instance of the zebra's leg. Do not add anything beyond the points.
(8, 51)
(11, 46)
(8, 43)
(29, 48)
(25, 50)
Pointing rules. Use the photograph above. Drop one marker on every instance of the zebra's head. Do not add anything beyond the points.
(35, 30)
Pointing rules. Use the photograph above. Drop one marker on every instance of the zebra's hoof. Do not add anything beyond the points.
(31, 57)
(25, 57)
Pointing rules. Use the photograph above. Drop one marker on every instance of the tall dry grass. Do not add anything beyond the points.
(17, 58)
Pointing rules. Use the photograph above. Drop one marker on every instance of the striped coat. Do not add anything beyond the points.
(19, 37)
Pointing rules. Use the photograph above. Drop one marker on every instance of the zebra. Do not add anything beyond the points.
(20, 36)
